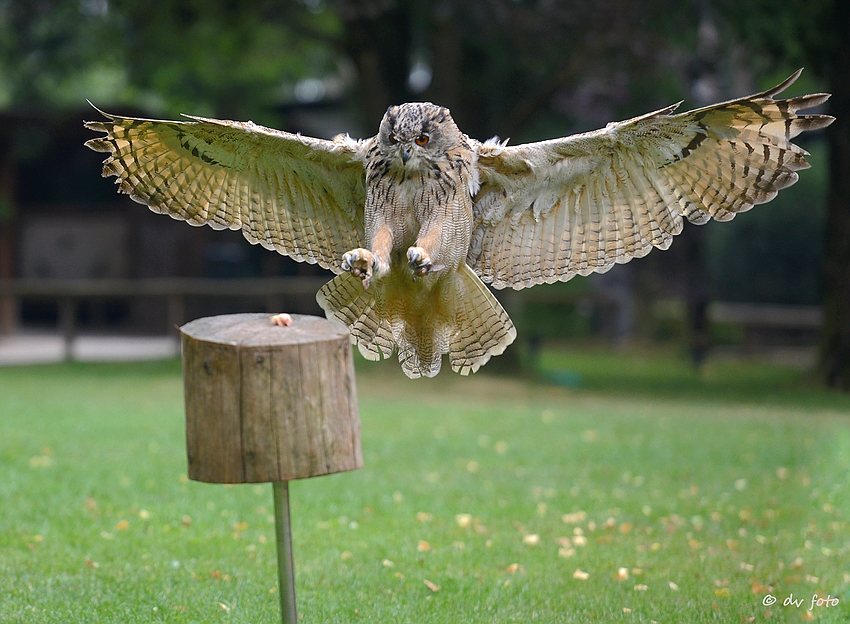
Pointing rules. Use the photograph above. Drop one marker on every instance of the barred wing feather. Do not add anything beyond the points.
(303, 197)
(550, 210)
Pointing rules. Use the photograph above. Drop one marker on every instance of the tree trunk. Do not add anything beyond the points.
(835, 345)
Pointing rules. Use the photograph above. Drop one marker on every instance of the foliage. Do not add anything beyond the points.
(678, 505)
(226, 58)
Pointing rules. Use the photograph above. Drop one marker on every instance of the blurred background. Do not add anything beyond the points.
(78, 261)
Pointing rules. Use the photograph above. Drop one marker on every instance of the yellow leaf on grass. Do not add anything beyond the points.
(574, 517)
(432, 586)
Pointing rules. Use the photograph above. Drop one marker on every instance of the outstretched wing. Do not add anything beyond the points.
(303, 197)
(546, 211)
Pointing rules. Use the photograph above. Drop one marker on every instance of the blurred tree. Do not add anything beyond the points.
(818, 36)
(226, 58)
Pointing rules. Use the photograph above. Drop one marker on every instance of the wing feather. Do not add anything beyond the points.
(549, 210)
(303, 197)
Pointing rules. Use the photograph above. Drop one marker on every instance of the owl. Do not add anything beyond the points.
(417, 219)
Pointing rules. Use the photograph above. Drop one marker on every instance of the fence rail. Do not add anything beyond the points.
(69, 292)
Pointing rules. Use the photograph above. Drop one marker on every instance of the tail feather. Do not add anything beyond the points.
(459, 316)
(344, 299)
(482, 328)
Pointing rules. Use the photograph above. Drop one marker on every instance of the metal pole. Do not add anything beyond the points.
(285, 568)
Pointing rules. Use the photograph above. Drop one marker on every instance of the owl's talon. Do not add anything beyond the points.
(359, 262)
(420, 263)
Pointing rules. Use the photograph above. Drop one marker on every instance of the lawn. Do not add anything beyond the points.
(643, 493)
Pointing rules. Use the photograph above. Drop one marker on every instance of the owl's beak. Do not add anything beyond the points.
(405, 154)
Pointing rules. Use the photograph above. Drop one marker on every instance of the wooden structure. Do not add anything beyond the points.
(268, 403)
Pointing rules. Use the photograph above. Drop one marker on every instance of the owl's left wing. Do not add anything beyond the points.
(301, 196)
(550, 210)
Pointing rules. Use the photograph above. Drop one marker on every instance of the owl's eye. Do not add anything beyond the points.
(393, 138)
(422, 140)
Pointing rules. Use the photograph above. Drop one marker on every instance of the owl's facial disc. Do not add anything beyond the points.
(414, 132)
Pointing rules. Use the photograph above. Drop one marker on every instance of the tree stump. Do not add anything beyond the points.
(269, 403)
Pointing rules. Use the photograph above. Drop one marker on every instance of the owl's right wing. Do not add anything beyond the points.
(550, 210)
(301, 196)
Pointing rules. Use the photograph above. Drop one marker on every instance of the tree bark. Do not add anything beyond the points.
(268, 403)
(835, 345)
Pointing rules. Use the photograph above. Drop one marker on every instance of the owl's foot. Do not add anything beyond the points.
(420, 262)
(359, 262)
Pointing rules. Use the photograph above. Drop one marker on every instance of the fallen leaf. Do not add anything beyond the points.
(590, 436)
(581, 575)
(345, 555)
(122, 525)
(673, 586)
(223, 607)
(423, 546)
(424, 516)
(463, 520)
(566, 553)
(622, 574)
(432, 586)
(574, 517)
(511, 569)
(531, 539)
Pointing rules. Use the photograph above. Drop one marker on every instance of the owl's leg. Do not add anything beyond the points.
(419, 256)
(420, 262)
(359, 262)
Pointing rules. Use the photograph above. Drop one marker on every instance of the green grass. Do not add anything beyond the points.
(724, 484)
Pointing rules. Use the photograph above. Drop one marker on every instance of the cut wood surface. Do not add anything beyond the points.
(269, 403)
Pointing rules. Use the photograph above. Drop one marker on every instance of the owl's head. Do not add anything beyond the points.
(418, 133)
